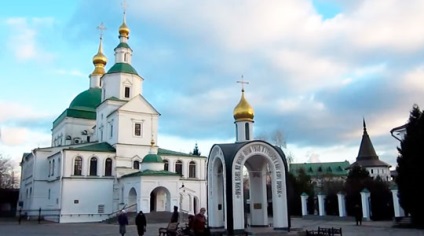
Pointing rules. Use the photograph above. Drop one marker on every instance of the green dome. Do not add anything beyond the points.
(152, 158)
(89, 99)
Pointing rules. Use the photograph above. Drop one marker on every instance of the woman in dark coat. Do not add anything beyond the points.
(140, 221)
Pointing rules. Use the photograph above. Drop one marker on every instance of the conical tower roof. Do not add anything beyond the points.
(366, 150)
(367, 157)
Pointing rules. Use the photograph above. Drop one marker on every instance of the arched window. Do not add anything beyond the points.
(78, 166)
(93, 166)
(108, 167)
(179, 167)
(136, 165)
(165, 166)
(192, 169)
(246, 127)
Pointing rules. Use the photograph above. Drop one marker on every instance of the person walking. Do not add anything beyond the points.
(199, 223)
(141, 223)
(358, 214)
(123, 222)
(175, 215)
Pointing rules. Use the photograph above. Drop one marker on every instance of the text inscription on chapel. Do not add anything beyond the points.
(257, 149)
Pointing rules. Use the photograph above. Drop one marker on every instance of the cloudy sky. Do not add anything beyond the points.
(315, 68)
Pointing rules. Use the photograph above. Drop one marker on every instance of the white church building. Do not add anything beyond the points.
(104, 155)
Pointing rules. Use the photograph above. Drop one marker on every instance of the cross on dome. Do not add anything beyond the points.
(242, 82)
(101, 28)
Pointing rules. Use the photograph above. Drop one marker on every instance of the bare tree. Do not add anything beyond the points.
(7, 177)
(278, 139)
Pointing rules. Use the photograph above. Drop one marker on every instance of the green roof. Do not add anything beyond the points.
(75, 113)
(97, 147)
(123, 45)
(87, 100)
(83, 106)
(122, 68)
(152, 173)
(163, 152)
(318, 169)
(152, 158)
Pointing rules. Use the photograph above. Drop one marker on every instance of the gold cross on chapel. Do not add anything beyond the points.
(242, 82)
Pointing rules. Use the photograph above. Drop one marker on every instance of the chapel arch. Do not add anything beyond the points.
(132, 200)
(263, 163)
(160, 199)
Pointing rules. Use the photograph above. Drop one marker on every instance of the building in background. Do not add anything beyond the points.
(368, 159)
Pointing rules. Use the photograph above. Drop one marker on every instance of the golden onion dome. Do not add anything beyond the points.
(243, 111)
(99, 61)
(124, 31)
(99, 58)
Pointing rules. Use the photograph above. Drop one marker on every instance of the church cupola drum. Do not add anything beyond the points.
(243, 116)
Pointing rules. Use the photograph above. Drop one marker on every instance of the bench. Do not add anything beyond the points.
(171, 229)
(329, 231)
(325, 232)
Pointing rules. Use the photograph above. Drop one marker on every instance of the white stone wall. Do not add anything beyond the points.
(81, 199)
(129, 115)
(103, 111)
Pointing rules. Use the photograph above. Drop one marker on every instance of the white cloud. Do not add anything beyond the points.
(18, 136)
(23, 36)
(73, 72)
(413, 79)
(12, 111)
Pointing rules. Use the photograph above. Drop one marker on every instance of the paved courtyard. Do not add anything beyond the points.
(49, 229)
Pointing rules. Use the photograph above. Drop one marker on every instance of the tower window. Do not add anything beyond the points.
(137, 129)
(136, 165)
(127, 92)
(247, 131)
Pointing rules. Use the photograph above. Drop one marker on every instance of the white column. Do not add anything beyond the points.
(365, 194)
(258, 199)
(304, 200)
(321, 205)
(342, 204)
(398, 209)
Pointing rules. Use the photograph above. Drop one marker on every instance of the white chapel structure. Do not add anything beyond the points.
(263, 162)
(104, 155)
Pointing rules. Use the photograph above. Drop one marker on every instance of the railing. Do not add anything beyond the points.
(113, 215)
(38, 214)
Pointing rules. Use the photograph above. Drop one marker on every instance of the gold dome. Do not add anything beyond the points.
(99, 61)
(99, 58)
(243, 111)
(124, 31)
